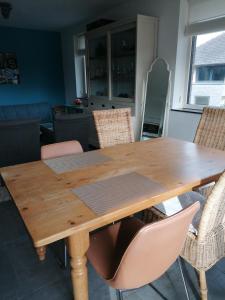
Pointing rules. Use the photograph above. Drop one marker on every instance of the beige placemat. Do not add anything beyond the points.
(106, 195)
(75, 161)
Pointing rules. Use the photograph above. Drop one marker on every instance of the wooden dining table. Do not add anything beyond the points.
(52, 211)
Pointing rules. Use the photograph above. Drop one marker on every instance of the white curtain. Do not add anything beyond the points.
(213, 25)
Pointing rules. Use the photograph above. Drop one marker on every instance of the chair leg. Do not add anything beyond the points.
(62, 262)
(2, 183)
(183, 278)
(65, 255)
(203, 285)
(119, 295)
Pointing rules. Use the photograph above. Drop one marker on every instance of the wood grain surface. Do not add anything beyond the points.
(51, 211)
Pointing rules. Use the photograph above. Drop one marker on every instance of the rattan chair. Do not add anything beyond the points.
(211, 133)
(203, 250)
(113, 126)
(211, 128)
(206, 246)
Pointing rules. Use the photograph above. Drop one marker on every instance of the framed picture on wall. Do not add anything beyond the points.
(9, 71)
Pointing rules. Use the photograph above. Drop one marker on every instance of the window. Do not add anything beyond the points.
(207, 70)
(210, 73)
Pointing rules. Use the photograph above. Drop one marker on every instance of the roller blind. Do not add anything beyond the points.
(212, 25)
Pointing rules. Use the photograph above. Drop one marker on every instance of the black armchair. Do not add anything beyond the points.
(19, 142)
(72, 127)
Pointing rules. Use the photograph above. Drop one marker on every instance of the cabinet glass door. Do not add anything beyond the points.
(98, 66)
(123, 63)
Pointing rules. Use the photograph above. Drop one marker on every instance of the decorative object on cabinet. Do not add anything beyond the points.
(118, 56)
(156, 98)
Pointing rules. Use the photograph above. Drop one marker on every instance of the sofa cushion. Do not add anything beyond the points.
(40, 111)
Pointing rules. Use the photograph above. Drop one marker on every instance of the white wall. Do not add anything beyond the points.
(183, 125)
(182, 59)
(68, 64)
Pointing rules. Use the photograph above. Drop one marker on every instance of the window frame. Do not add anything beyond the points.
(191, 54)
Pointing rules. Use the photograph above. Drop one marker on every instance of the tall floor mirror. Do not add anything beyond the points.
(156, 99)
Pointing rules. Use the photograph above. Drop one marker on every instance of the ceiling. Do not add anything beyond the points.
(54, 14)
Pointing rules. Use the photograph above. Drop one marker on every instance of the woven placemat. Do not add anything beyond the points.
(75, 161)
(107, 195)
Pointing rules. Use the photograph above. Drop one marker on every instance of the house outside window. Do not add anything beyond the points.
(207, 70)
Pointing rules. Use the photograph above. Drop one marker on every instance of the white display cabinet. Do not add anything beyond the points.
(118, 58)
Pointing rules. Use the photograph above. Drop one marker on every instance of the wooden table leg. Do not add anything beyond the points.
(78, 246)
(203, 285)
(41, 252)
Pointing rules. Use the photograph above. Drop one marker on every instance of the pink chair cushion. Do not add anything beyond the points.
(60, 149)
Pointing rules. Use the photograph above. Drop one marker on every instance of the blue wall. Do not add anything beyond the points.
(39, 59)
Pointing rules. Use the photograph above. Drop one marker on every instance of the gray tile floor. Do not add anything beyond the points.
(23, 277)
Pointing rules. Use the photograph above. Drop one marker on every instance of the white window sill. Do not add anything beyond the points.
(213, 82)
(187, 110)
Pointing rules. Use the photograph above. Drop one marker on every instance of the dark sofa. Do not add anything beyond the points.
(20, 142)
(41, 111)
(20, 131)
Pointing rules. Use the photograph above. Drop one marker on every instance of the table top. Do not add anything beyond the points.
(51, 211)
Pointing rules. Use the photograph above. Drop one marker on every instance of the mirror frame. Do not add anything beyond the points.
(145, 86)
